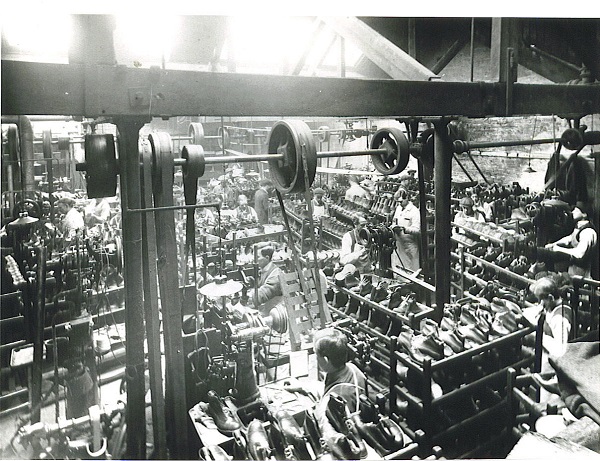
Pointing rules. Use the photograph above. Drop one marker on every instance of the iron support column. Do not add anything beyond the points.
(129, 128)
(443, 180)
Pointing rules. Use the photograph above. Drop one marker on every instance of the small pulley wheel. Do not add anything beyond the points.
(29, 206)
(100, 165)
(196, 133)
(323, 133)
(194, 161)
(223, 137)
(394, 141)
(292, 139)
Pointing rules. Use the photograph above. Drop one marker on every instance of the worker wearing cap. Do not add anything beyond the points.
(244, 213)
(468, 212)
(319, 207)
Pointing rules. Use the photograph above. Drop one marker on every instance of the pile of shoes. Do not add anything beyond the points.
(356, 430)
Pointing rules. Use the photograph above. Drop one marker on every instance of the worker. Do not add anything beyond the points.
(244, 213)
(467, 212)
(72, 221)
(204, 219)
(352, 252)
(269, 287)
(97, 212)
(520, 212)
(319, 207)
(341, 377)
(355, 190)
(406, 225)
(558, 321)
(579, 246)
(261, 200)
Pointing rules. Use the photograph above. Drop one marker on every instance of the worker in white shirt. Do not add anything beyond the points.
(406, 225)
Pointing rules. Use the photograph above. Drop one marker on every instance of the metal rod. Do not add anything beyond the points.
(244, 158)
(175, 207)
(38, 340)
(464, 146)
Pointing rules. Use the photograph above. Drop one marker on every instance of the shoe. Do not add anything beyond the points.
(380, 292)
(473, 335)
(220, 414)
(339, 416)
(369, 432)
(378, 321)
(369, 412)
(392, 434)
(258, 446)
(200, 415)
(351, 281)
(423, 347)
(213, 453)
(504, 323)
(395, 299)
(292, 433)
(504, 260)
(453, 342)
(344, 448)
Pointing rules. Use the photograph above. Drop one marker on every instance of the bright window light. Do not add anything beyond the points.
(145, 36)
(37, 34)
(274, 40)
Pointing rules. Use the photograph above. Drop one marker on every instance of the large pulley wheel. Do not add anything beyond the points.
(394, 141)
(196, 133)
(223, 137)
(100, 165)
(293, 140)
(162, 156)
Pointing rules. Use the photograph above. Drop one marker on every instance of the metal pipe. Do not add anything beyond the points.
(26, 145)
(220, 159)
(443, 217)
(460, 146)
(38, 338)
(134, 294)
(176, 207)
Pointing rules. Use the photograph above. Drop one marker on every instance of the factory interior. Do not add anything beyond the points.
(299, 237)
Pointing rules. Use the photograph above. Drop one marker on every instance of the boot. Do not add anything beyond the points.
(292, 434)
(313, 433)
(339, 416)
(221, 415)
(258, 441)
(368, 431)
